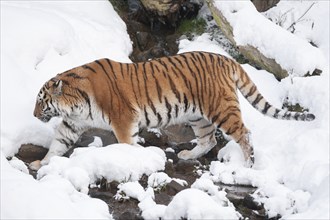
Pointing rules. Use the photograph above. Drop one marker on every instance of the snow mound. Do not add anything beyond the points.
(117, 162)
(22, 197)
(196, 204)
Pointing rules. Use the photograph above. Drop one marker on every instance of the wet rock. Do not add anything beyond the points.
(29, 153)
(249, 202)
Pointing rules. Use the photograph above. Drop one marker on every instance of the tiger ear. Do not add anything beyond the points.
(57, 87)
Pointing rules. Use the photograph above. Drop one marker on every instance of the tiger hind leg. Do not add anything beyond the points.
(233, 126)
(205, 135)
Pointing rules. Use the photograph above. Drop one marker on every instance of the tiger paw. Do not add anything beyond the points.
(184, 154)
(35, 165)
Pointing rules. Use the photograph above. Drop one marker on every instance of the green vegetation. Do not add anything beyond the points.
(294, 107)
(190, 27)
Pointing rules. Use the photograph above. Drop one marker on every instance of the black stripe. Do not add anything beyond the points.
(66, 124)
(173, 87)
(74, 75)
(206, 126)
(111, 67)
(267, 106)
(173, 64)
(146, 116)
(176, 111)
(135, 134)
(276, 113)
(251, 92)
(185, 100)
(86, 97)
(195, 120)
(159, 118)
(88, 67)
(226, 119)
(257, 100)
(232, 130)
(169, 109)
(205, 135)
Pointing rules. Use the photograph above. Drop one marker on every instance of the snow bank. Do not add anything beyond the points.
(38, 40)
(41, 39)
(252, 28)
(22, 197)
(292, 158)
(116, 162)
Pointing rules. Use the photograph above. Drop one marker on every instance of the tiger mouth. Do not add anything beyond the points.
(45, 118)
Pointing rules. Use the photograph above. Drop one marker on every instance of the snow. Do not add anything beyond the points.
(291, 170)
(251, 28)
(187, 204)
(116, 162)
(22, 197)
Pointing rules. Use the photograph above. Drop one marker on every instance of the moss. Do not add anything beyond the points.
(294, 107)
(192, 26)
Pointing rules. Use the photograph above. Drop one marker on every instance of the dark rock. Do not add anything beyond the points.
(143, 39)
(169, 168)
(249, 202)
(264, 5)
(186, 166)
(151, 139)
(154, 52)
(129, 215)
(29, 153)
(144, 181)
(101, 194)
(172, 156)
(163, 198)
(181, 133)
(173, 188)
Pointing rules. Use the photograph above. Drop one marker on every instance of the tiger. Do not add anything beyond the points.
(198, 88)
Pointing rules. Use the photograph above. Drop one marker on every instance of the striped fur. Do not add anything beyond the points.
(196, 87)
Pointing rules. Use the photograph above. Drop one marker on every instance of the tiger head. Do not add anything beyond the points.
(48, 103)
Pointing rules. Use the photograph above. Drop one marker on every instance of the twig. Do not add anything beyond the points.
(298, 20)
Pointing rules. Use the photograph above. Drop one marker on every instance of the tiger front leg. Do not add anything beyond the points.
(205, 135)
(65, 136)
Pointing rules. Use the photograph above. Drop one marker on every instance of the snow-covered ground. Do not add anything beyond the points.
(41, 39)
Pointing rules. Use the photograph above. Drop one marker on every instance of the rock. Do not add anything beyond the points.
(264, 5)
(29, 153)
(169, 168)
(186, 166)
(173, 188)
(154, 52)
(165, 11)
(251, 53)
(181, 133)
(249, 202)
(163, 198)
(170, 12)
(129, 215)
(142, 38)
